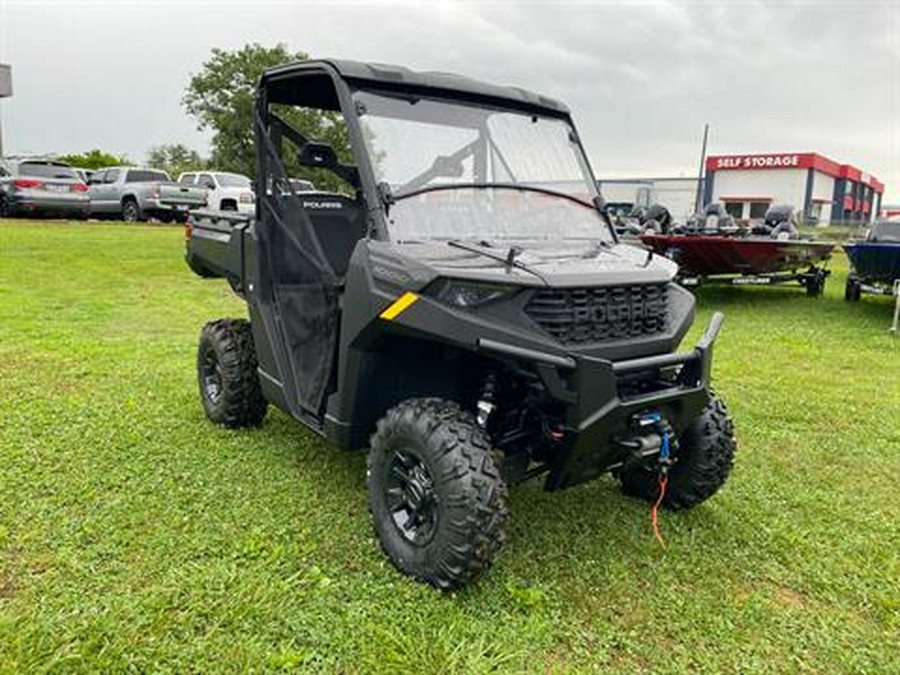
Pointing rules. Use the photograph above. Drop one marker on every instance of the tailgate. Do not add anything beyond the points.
(216, 242)
(175, 194)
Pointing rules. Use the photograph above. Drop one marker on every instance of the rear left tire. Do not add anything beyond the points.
(227, 374)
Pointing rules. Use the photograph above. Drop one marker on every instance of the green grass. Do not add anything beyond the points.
(134, 535)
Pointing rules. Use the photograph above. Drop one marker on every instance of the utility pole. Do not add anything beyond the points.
(698, 202)
(5, 92)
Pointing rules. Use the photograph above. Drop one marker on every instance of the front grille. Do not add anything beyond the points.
(578, 315)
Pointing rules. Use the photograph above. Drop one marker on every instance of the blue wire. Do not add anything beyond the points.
(664, 450)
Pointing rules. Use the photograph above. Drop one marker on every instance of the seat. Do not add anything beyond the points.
(717, 220)
(339, 223)
(781, 219)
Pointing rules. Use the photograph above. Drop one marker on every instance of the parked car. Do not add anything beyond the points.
(301, 185)
(135, 193)
(227, 191)
(41, 187)
(286, 185)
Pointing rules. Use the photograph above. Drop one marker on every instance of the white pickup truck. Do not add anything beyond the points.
(227, 191)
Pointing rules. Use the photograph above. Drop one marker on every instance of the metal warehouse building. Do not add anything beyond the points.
(679, 195)
(820, 188)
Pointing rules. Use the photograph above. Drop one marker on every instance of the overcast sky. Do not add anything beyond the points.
(641, 77)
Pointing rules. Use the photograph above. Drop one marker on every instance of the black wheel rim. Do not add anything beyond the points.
(211, 375)
(411, 498)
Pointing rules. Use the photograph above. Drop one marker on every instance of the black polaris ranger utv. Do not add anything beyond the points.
(462, 309)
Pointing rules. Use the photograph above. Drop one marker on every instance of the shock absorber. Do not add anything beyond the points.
(486, 404)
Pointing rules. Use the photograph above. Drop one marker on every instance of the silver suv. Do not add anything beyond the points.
(34, 186)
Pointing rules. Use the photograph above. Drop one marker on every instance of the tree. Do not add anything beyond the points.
(94, 159)
(175, 159)
(221, 97)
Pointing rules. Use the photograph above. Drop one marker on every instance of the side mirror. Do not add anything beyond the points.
(323, 156)
(317, 155)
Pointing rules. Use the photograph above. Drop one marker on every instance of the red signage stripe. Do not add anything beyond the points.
(788, 160)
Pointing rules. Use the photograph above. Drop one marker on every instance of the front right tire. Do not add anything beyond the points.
(704, 455)
(437, 499)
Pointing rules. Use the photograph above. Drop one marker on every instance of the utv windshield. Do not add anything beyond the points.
(459, 171)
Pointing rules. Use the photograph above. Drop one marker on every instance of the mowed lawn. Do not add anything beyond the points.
(134, 535)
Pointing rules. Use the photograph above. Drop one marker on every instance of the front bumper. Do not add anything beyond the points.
(602, 398)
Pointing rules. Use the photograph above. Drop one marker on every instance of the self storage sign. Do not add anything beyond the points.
(759, 162)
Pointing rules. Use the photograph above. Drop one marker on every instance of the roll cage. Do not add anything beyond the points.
(305, 240)
(330, 85)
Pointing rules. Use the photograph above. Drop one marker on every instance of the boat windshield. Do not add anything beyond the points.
(458, 170)
(886, 231)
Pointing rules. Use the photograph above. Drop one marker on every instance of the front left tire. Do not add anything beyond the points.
(436, 496)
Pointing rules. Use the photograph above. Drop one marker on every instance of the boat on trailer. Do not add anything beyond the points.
(714, 250)
(875, 264)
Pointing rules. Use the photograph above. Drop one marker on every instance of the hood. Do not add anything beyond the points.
(578, 263)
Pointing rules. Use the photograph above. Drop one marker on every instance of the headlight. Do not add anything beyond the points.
(470, 294)
(246, 198)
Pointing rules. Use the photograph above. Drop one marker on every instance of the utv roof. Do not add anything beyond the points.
(387, 76)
